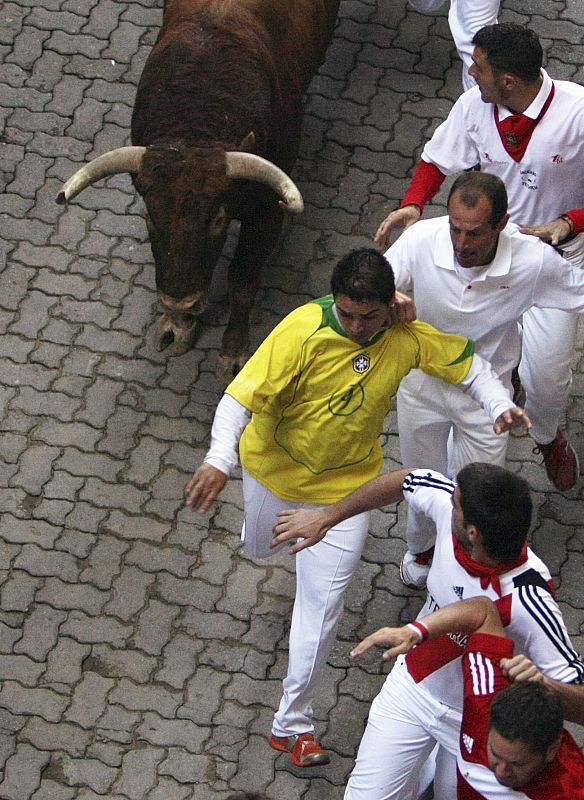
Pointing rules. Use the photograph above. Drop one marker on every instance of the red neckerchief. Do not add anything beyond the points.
(488, 575)
(515, 131)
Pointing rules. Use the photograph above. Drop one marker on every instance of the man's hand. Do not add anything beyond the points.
(402, 640)
(402, 309)
(400, 218)
(513, 418)
(554, 232)
(204, 486)
(302, 523)
(520, 668)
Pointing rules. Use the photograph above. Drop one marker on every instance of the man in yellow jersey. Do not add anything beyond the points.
(306, 412)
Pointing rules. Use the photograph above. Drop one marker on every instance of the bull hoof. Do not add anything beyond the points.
(181, 336)
(228, 366)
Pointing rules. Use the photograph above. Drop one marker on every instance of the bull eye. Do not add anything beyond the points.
(217, 224)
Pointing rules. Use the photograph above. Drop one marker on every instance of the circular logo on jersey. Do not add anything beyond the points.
(361, 363)
(343, 404)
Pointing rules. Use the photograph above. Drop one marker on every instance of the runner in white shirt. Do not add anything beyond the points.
(481, 549)
(529, 130)
(474, 275)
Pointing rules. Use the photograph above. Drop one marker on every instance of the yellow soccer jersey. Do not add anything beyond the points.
(319, 400)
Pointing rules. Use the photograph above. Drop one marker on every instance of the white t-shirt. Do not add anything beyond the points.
(549, 179)
(484, 305)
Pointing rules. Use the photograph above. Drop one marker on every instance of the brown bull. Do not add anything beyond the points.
(216, 128)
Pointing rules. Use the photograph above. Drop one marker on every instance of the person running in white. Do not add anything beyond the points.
(529, 130)
(480, 549)
(473, 273)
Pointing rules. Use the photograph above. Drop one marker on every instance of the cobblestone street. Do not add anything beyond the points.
(141, 653)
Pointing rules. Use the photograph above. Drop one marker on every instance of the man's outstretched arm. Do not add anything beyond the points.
(311, 525)
(476, 615)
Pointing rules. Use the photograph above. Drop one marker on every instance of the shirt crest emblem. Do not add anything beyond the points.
(361, 363)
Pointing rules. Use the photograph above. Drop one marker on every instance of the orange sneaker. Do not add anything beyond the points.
(304, 750)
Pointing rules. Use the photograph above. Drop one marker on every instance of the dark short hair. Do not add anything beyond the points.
(511, 48)
(498, 503)
(529, 712)
(364, 274)
(471, 186)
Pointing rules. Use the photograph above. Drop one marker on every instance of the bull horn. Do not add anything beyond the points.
(255, 168)
(114, 162)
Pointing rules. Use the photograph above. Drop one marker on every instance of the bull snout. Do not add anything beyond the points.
(178, 323)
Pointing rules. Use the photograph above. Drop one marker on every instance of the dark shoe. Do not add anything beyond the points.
(415, 567)
(561, 462)
(304, 750)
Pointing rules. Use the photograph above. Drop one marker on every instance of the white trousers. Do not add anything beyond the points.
(405, 722)
(432, 415)
(549, 341)
(323, 572)
(465, 18)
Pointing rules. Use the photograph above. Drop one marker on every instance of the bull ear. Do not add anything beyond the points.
(247, 144)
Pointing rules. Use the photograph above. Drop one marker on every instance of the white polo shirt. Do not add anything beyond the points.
(483, 305)
(549, 178)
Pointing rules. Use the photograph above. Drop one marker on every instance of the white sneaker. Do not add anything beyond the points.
(412, 573)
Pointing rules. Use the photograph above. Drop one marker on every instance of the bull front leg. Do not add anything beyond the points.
(257, 239)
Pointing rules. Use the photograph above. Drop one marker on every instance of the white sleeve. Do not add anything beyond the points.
(399, 258)
(483, 385)
(538, 628)
(451, 147)
(429, 492)
(228, 424)
(559, 283)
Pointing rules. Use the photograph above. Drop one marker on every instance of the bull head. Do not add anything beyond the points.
(185, 191)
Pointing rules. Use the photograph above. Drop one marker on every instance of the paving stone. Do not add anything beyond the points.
(41, 629)
(59, 594)
(129, 594)
(90, 629)
(39, 562)
(89, 700)
(185, 767)
(44, 703)
(117, 723)
(152, 558)
(111, 662)
(179, 660)
(184, 733)
(23, 773)
(154, 627)
(103, 563)
(139, 772)
(50, 790)
(19, 591)
(21, 668)
(64, 662)
(146, 698)
(167, 787)
(88, 772)
(61, 737)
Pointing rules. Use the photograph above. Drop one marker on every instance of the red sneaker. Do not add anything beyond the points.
(304, 750)
(561, 462)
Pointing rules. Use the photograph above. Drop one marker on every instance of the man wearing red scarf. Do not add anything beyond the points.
(480, 550)
(527, 129)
